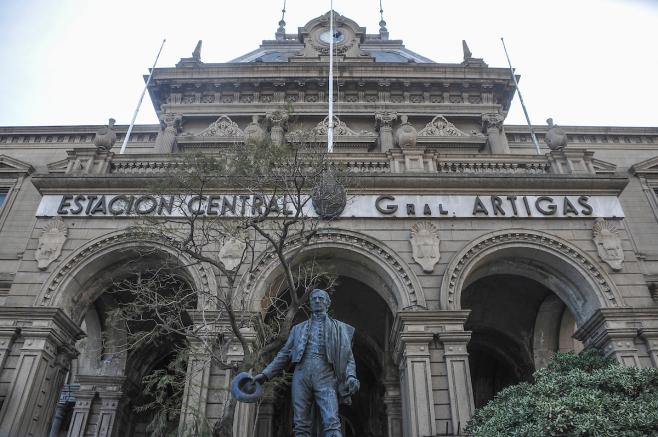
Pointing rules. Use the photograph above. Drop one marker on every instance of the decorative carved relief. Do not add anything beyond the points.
(608, 243)
(222, 127)
(279, 123)
(340, 129)
(50, 242)
(425, 245)
(231, 252)
(406, 134)
(492, 120)
(384, 120)
(440, 127)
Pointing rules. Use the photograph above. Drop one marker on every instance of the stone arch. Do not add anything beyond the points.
(572, 274)
(66, 286)
(354, 254)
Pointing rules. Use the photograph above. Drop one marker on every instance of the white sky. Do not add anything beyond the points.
(582, 62)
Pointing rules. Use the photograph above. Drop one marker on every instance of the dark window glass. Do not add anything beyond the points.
(3, 197)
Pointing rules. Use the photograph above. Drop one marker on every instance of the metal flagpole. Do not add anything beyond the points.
(518, 90)
(330, 131)
(132, 123)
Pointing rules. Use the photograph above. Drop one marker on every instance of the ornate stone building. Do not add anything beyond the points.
(466, 260)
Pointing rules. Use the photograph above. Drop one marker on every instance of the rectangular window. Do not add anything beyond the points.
(3, 198)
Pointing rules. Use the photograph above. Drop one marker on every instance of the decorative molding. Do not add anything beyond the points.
(440, 127)
(454, 276)
(51, 241)
(647, 168)
(9, 165)
(222, 127)
(51, 293)
(340, 129)
(410, 292)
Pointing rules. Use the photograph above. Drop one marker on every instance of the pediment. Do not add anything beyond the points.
(603, 167)
(13, 165)
(647, 167)
(58, 166)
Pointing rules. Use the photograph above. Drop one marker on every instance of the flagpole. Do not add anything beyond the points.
(132, 123)
(518, 90)
(330, 131)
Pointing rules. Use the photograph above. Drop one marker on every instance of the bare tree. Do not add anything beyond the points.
(267, 192)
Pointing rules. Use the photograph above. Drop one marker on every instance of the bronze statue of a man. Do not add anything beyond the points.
(325, 373)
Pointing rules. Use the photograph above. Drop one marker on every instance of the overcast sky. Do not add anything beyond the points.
(582, 62)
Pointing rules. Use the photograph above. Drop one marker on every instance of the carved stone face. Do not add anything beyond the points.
(50, 246)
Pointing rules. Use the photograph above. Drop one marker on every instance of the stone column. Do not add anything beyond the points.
(170, 127)
(278, 121)
(107, 417)
(412, 354)
(384, 120)
(459, 377)
(492, 124)
(49, 336)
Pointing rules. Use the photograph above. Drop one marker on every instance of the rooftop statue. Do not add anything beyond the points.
(325, 373)
(556, 137)
(106, 136)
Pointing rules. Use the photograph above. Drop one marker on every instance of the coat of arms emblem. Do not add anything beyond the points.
(425, 245)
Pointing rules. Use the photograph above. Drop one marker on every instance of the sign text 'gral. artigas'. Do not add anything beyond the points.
(358, 206)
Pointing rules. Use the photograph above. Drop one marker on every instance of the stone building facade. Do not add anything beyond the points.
(467, 259)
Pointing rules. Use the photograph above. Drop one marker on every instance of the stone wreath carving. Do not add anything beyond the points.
(222, 127)
(608, 243)
(50, 294)
(453, 276)
(440, 127)
(411, 287)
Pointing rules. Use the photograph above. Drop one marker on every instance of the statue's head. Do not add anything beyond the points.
(319, 301)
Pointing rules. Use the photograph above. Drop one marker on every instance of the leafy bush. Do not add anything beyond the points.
(576, 395)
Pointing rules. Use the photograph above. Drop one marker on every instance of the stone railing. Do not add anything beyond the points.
(510, 164)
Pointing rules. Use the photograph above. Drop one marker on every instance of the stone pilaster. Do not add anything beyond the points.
(81, 411)
(459, 377)
(48, 339)
(411, 347)
(393, 403)
(650, 337)
(613, 330)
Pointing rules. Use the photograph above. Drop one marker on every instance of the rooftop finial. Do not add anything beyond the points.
(467, 52)
(196, 54)
(281, 31)
(383, 31)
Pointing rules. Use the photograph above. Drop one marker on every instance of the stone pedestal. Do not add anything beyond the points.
(572, 161)
(48, 338)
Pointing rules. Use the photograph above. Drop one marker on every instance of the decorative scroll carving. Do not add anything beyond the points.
(492, 120)
(340, 129)
(440, 127)
(425, 245)
(608, 243)
(50, 242)
(222, 127)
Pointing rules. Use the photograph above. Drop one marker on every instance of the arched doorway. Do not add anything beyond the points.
(514, 324)
(357, 304)
(527, 292)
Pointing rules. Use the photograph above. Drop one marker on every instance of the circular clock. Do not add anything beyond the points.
(338, 36)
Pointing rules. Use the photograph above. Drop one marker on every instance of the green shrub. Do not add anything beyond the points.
(576, 395)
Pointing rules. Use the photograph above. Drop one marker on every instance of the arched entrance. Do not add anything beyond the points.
(527, 292)
(375, 283)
